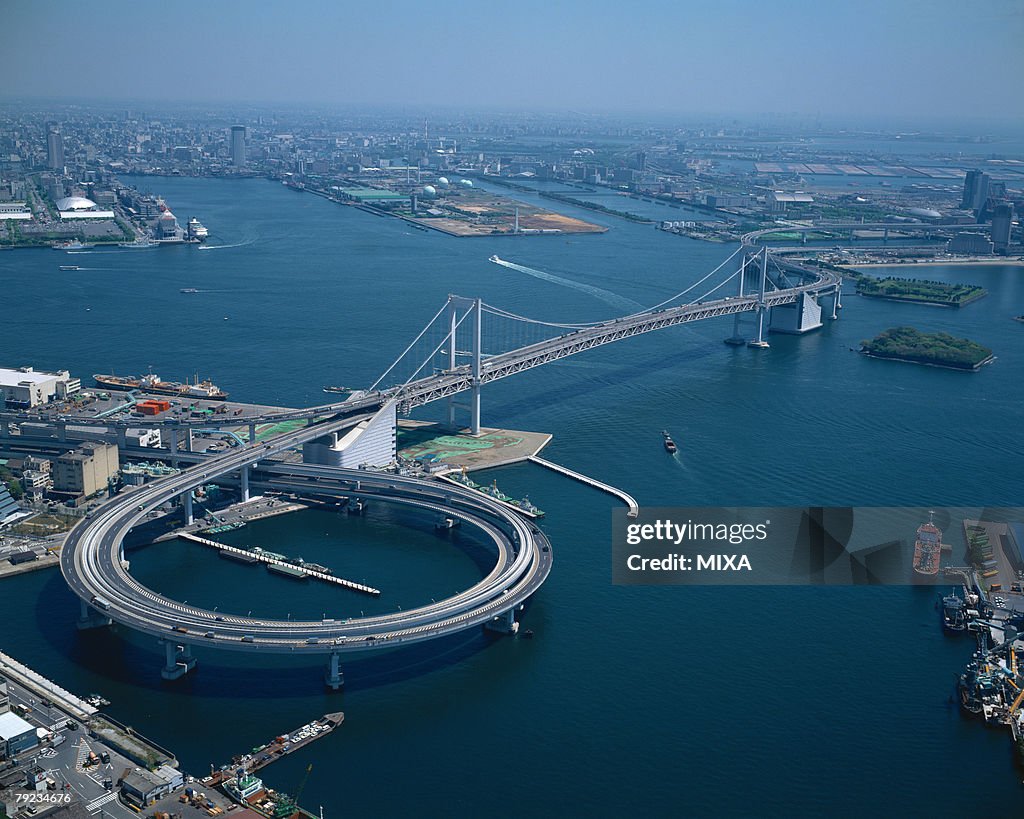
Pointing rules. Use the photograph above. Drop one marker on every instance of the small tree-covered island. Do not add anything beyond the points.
(919, 290)
(935, 349)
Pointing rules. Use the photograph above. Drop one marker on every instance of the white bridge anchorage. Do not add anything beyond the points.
(447, 358)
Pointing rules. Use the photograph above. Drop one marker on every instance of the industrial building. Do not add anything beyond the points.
(1002, 223)
(9, 508)
(5, 698)
(86, 470)
(16, 735)
(142, 787)
(25, 387)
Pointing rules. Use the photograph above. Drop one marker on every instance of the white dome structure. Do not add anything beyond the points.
(429, 191)
(442, 182)
(69, 203)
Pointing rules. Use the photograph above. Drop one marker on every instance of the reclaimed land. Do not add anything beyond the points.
(919, 291)
(932, 349)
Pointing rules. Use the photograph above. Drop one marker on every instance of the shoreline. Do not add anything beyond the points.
(987, 260)
(972, 369)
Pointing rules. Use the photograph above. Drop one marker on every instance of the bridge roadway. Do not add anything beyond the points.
(92, 563)
(460, 379)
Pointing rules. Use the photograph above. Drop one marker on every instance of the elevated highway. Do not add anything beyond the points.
(92, 562)
(92, 559)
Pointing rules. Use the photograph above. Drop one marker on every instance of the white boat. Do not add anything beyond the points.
(140, 243)
(196, 231)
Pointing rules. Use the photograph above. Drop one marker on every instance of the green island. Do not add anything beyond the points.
(921, 291)
(935, 349)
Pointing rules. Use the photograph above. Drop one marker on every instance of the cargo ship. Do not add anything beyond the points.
(927, 548)
(152, 383)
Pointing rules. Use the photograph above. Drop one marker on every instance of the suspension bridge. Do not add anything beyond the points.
(445, 359)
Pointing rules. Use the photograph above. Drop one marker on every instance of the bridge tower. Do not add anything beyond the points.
(475, 306)
(762, 308)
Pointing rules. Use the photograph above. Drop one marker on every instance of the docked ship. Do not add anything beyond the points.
(670, 445)
(152, 383)
(74, 244)
(954, 613)
(141, 243)
(927, 549)
(196, 231)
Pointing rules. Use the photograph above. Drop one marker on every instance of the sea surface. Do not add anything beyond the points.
(660, 701)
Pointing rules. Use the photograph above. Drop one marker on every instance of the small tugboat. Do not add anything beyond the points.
(670, 445)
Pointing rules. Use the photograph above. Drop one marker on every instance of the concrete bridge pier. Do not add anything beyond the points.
(90, 618)
(179, 661)
(244, 480)
(252, 433)
(334, 678)
(174, 447)
(186, 502)
(62, 432)
(504, 623)
(122, 437)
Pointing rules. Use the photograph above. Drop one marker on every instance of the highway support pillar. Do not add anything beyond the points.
(503, 623)
(188, 439)
(474, 407)
(122, 437)
(759, 342)
(174, 447)
(186, 502)
(334, 678)
(179, 660)
(736, 339)
(252, 433)
(90, 618)
(244, 480)
(62, 432)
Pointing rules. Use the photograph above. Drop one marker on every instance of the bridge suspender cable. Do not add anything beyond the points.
(411, 344)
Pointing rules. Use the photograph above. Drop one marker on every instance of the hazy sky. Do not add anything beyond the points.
(833, 57)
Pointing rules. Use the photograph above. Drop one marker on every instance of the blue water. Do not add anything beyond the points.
(665, 701)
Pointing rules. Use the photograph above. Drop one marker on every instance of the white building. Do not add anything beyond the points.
(78, 207)
(28, 387)
(370, 443)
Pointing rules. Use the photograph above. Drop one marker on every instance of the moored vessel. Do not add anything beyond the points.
(152, 383)
(196, 231)
(927, 548)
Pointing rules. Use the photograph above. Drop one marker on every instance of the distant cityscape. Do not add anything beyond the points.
(62, 172)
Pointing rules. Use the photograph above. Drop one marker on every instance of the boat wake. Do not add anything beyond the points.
(226, 247)
(608, 297)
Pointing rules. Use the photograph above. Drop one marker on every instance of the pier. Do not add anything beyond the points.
(246, 554)
(44, 688)
(634, 508)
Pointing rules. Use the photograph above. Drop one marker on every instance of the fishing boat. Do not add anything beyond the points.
(670, 445)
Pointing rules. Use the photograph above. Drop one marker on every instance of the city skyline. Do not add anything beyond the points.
(856, 62)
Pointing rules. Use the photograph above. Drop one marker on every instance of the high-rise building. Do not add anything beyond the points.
(54, 147)
(238, 146)
(975, 191)
(1002, 221)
